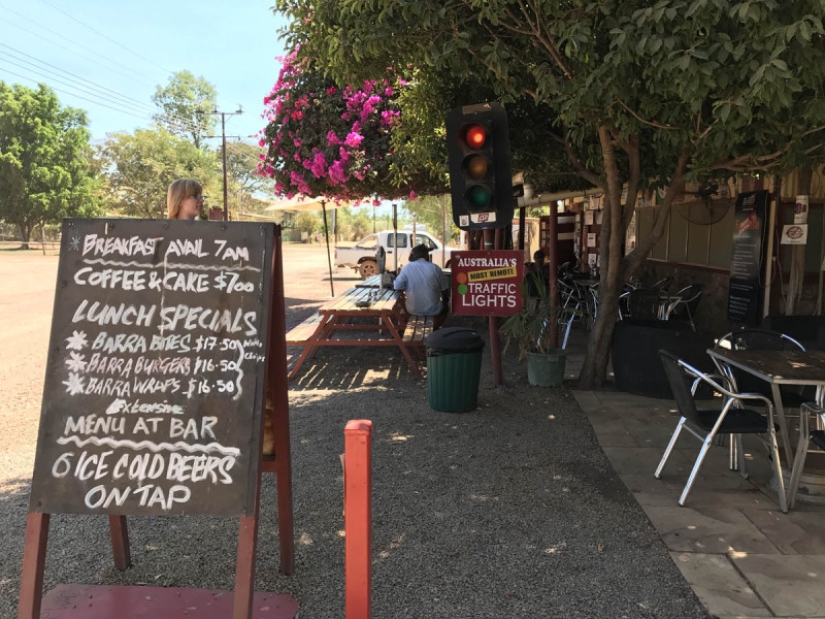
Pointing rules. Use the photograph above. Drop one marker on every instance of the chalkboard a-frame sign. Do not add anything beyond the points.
(156, 371)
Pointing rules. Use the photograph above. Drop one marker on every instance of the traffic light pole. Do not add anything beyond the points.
(493, 241)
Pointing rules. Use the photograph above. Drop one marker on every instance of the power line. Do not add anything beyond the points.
(101, 90)
(174, 122)
(25, 77)
(97, 54)
(124, 107)
(134, 53)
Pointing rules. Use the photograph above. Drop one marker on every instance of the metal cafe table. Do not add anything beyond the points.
(360, 316)
(778, 367)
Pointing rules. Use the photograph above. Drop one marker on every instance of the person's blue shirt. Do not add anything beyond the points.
(422, 282)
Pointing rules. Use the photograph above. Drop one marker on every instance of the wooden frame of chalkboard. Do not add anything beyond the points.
(166, 338)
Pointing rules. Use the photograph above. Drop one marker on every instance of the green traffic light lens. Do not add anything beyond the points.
(478, 197)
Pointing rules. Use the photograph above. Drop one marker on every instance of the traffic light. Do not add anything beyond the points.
(478, 146)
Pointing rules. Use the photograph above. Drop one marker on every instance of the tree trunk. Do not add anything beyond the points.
(25, 234)
(617, 268)
(594, 369)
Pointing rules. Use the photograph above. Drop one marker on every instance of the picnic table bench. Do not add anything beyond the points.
(360, 316)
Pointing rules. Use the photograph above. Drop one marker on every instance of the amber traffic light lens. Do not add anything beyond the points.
(477, 166)
(475, 136)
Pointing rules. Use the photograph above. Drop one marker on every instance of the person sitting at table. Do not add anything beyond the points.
(425, 291)
(184, 200)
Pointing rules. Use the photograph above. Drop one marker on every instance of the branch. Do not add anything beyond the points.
(676, 187)
(582, 171)
(652, 123)
(634, 159)
(536, 32)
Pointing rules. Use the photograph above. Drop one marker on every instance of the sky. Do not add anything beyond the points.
(108, 57)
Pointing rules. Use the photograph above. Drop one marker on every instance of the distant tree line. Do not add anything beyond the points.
(49, 168)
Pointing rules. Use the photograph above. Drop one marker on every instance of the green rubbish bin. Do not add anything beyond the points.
(453, 369)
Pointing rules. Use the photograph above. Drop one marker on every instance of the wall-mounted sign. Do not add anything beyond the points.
(744, 290)
(487, 283)
(794, 234)
(800, 214)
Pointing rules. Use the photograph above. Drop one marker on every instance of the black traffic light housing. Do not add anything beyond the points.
(478, 146)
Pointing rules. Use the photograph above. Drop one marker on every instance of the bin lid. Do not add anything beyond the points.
(454, 339)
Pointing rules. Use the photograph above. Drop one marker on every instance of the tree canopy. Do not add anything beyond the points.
(44, 159)
(139, 168)
(634, 94)
(185, 105)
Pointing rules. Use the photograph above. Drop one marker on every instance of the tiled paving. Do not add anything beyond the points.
(743, 557)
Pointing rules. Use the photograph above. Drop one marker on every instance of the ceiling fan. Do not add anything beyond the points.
(709, 205)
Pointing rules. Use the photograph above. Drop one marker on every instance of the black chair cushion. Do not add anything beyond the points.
(737, 421)
(818, 438)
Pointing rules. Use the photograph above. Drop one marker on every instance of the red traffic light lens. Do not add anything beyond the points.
(477, 166)
(475, 136)
(478, 197)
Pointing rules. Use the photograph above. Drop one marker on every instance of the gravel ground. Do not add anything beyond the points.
(508, 511)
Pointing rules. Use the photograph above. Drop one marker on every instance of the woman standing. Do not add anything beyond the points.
(184, 200)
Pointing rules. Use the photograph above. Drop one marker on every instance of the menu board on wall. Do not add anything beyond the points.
(155, 377)
(745, 290)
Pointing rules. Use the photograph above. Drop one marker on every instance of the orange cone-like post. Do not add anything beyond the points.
(358, 517)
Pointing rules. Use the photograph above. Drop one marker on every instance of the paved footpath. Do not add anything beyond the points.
(742, 556)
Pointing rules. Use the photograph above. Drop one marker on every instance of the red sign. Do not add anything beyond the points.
(487, 283)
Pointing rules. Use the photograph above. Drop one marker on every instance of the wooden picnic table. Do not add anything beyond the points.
(360, 316)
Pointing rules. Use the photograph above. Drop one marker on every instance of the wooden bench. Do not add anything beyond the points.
(301, 333)
(417, 329)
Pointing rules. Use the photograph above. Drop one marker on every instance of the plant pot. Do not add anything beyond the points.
(546, 369)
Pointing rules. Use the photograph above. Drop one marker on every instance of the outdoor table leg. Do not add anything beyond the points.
(404, 350)
(310, 349)
(783, 424)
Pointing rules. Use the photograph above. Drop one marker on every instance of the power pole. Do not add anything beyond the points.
(223, 115)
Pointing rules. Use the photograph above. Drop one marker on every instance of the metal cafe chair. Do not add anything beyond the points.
(572, 307)
(759, 339)
(707, 424)
(645, 304)
(806, 436)
(662, 285)
(685, 307)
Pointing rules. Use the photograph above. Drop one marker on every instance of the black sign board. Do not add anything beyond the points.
(155, 378)
(744, 289)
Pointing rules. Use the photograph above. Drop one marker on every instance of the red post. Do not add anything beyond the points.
(357, 517)
(553, 267)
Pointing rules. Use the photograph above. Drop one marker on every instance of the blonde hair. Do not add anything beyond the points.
(178, 191)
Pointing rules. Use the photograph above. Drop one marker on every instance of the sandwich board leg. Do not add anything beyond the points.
(34, 560)
(245, 567)
(279, 388)
(120, 542)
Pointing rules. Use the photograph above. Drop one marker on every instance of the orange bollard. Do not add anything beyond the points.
(357, 518)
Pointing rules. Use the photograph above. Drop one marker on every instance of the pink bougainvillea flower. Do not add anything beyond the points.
(354, 140)
(337, 174)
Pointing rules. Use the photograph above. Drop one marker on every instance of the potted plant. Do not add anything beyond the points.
(530, 329)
